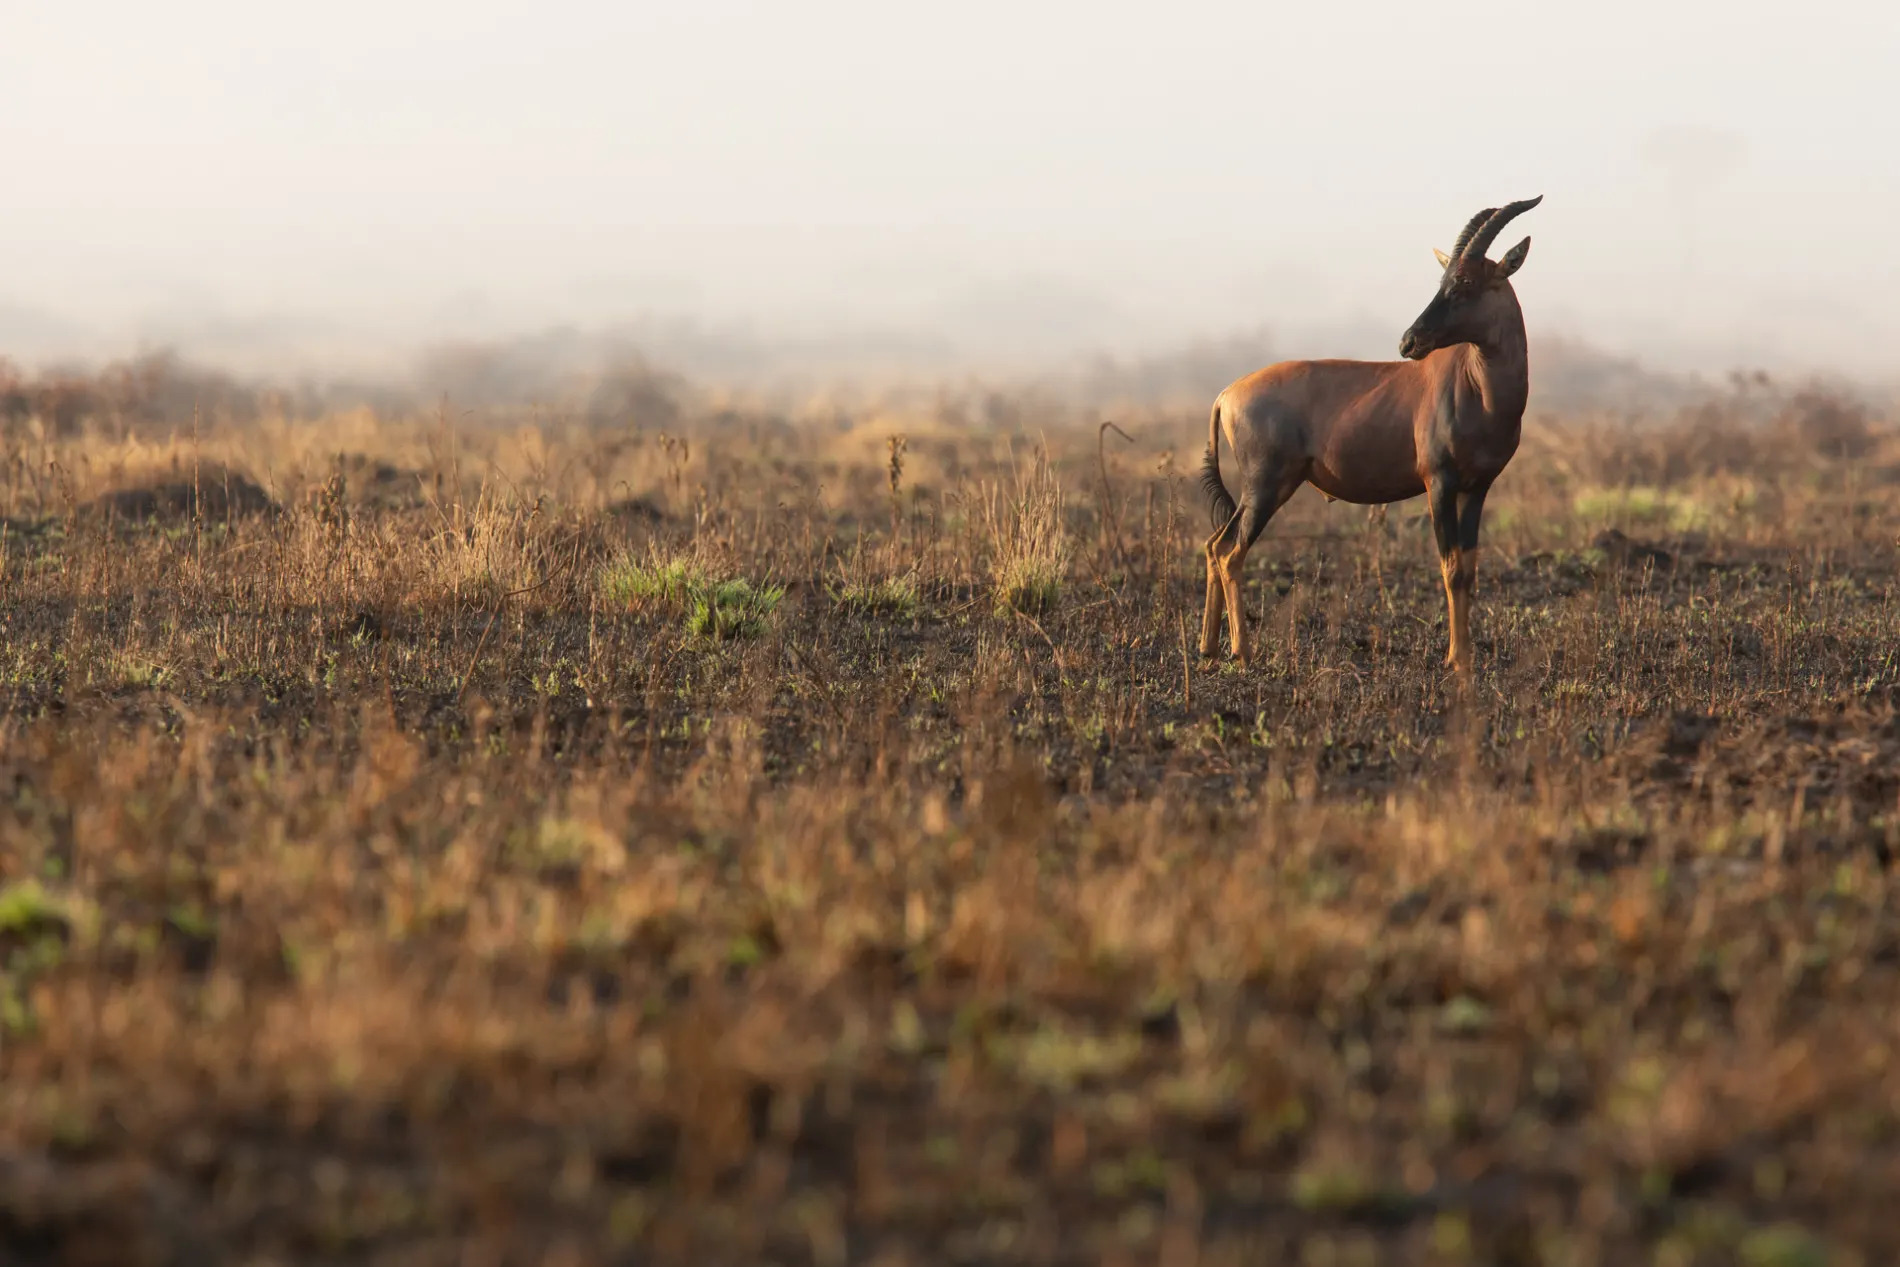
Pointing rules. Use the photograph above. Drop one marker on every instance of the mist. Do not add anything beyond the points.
(983, 185)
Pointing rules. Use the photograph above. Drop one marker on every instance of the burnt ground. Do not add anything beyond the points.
(426, 883)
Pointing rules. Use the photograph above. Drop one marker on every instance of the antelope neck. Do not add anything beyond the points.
(1499, 366)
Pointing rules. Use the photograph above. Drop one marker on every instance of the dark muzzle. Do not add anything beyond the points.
(1412, 346)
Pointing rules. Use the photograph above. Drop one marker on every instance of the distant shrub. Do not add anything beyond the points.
(1644, 505)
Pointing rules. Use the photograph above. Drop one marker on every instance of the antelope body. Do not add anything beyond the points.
(1444, 422)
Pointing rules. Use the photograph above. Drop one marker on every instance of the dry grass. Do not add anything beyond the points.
(402, 878)
(1026, 538)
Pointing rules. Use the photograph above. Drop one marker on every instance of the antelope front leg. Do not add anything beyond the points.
(1445, 523)
(1463, 570)
(1460, 586)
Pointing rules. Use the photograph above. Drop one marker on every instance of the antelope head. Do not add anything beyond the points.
(1473, 292)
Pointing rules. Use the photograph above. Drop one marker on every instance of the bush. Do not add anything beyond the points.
(895, 597)
(733, 609)
(713, 607)
(674, 581)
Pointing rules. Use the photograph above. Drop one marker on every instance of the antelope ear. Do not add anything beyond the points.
(1513, 259)
(1444, 260)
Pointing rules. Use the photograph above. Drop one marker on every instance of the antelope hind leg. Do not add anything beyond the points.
(1269, 492)
(1230, 567)
(1216, 592)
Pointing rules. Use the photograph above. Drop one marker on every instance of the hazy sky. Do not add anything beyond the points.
(1721, 181)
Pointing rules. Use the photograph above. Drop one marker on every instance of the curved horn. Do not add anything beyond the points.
(1481, 240)
(1464, 236)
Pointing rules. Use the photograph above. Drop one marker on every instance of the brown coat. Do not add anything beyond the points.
(1445, 421)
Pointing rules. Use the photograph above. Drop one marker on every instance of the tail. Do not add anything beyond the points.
(1220, 504)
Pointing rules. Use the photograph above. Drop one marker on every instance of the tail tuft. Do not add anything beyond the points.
(1220, 503)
